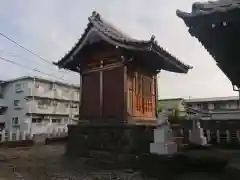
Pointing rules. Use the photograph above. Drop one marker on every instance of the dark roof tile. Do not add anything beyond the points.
(210, 7)
(116, 35)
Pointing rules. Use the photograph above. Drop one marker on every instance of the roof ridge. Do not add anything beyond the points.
(96, 17)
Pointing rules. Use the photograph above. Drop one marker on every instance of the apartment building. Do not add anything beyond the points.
(36, 105)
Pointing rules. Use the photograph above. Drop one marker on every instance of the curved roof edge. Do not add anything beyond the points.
(110, 32)
(209, 7)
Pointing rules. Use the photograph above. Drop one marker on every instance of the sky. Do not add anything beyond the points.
(51, 29)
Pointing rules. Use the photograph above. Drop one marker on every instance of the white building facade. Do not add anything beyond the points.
(35, 105)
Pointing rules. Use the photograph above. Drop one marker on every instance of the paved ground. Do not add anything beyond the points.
(48, 163)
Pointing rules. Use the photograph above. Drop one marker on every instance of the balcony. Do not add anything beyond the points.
(33, 107)
(41, 92)
(70, 95)
(57, 93)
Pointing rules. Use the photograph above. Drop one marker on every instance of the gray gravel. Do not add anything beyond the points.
(47, 163)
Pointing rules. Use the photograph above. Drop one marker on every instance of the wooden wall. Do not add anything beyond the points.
(113, 94)
(90, 97)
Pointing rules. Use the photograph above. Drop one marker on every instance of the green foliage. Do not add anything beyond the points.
(174, 118)
(159, 109)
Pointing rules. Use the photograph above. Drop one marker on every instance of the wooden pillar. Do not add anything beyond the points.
(155, 88)
(101, 88)
(125, 94)
(80, 98)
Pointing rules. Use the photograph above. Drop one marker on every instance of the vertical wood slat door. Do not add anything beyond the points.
(90, 105)
(148, 94)
(113, 93)
(144, 96)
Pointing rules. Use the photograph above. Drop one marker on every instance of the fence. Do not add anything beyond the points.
(217, 132)
(21, 136)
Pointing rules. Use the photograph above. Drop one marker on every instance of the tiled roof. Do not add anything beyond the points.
(121, 39)
(210, 7)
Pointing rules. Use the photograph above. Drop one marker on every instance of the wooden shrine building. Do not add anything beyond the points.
(216, 25)
(118, 73)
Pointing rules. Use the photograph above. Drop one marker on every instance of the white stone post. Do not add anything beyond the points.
(3, 135)
(218, 136)
(18, 135)
(163, 139)
(10, 136)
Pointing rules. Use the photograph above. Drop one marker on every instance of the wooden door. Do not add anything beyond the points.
(144, 96)
(147, 94)
(113, 93)
(90, 101)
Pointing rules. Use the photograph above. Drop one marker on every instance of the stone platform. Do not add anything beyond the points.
(118, 138)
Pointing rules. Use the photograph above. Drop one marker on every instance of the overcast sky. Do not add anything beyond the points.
(51, 28)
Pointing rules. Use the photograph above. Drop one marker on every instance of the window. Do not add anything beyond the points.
(52, 86)
(15, 121)
(16, 103)
(18, 88)
(36, 120)
(58, 121)
(74, 106)
(211, 106)
(199, 106)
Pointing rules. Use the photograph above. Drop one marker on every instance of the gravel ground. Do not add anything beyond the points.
(47, 163)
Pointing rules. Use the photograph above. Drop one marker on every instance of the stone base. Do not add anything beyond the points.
(122, 138)
(163, 148)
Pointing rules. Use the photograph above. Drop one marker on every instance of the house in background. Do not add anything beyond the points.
(171, 105)
(216, 108)
(36, 105)
(219, 108)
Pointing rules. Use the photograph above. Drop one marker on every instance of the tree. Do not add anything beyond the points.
(174, 118)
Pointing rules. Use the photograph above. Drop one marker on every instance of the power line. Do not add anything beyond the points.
(16, 55)
(28, 68)
(26, 49)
